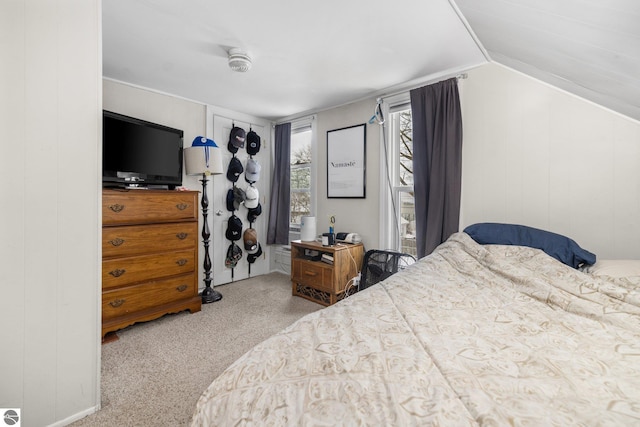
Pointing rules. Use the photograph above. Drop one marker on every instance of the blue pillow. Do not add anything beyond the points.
(560, 247)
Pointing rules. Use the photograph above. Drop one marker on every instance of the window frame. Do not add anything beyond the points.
(390, 224)
(297, 126)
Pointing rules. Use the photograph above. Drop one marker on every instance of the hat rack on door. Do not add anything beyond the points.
(249, 197)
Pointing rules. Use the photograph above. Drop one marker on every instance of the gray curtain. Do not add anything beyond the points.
(437, 162)
(279, 207)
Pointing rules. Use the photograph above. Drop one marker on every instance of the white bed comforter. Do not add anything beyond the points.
(470, 335)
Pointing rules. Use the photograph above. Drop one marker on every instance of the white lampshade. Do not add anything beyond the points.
(195, 160)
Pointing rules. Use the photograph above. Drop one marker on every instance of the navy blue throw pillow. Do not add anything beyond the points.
(558, 246)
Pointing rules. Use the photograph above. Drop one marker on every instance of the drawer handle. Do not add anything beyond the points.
(182, 236)
(181, 262)
(116, 242)
(117, 272)
(182, 206)
(116, 208)
(117, 303)
(310, 273)
(182, 288)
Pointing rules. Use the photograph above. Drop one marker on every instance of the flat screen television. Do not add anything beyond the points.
(138, 153)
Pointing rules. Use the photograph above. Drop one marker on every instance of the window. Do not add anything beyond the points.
(300, 175)
(302, 171)
(399, 229)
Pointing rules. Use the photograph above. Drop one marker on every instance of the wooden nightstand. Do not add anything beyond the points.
(319, 281)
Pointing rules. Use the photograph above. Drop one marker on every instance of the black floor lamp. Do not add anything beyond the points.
(204, 158)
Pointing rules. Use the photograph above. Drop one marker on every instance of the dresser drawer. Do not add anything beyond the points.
(148, 206)
(123, 271)
(129, 240)
(313, 274)
(146, 295)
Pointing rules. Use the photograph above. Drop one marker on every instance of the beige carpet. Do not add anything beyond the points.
(154, 374)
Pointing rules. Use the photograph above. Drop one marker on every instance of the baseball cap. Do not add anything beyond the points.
(234, 228)
(254, 213)
(250, 238)
(236, 139)
(234, 254)
(255, 254)
(201, 141)
(235, 169)
(253, 142)
(230, 200)
(251, 197)
(252, 171)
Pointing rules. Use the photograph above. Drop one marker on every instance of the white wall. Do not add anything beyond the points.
(156, 107)
(196, 119)
(50, 116)
(518, 134)
(352, 215)
(535, 155)
(166, 110)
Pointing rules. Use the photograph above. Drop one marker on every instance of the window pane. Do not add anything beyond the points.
(405, 141)
(301, 148)
(300, 176)
(407, 223)
(300, 202)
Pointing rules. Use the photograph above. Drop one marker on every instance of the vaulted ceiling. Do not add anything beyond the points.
(588, 47)
(308, 58)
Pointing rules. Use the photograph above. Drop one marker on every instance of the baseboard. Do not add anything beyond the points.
(75, 417)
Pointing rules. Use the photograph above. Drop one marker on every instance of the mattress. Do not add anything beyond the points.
(471, 335)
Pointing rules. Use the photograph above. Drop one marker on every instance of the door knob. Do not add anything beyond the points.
(219, 212)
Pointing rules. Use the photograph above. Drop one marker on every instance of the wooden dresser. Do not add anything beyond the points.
(149, 255)
(321, 282)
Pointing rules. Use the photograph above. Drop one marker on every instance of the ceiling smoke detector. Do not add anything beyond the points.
(239, 60)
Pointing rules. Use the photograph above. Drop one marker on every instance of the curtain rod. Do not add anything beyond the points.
(309, 117)
(459, 76)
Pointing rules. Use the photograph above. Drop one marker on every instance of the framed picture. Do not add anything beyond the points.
(346, 162)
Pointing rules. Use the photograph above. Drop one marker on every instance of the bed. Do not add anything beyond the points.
(473, 334)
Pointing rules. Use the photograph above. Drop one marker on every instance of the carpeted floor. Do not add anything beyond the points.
(154, 374)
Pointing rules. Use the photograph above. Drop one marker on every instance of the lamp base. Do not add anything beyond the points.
(210, 295)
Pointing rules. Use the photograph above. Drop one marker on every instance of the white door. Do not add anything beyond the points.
(219, 132)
